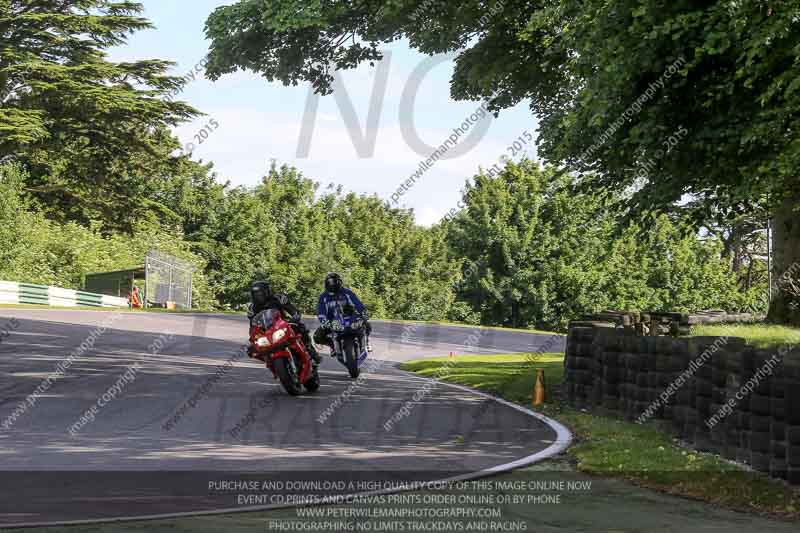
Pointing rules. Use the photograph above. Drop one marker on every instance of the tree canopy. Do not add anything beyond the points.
(90, 131)
(609, 81)
(90, 176)
(536, 254)
(665, 100)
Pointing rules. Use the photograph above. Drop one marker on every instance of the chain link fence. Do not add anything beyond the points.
(167, 280)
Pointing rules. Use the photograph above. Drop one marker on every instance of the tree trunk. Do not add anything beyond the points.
(785, 307)
(736, 250)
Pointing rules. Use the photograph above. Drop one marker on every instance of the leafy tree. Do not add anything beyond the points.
(744, 241)
(403, 270)
(35, 249)
(285, 231)
(537, 254)
(90, 131)
(530, 250)
(665, 98)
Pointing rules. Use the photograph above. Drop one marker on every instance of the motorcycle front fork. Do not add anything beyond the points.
(337, 347)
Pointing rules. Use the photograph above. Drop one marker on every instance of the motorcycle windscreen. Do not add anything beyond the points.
(266, 318)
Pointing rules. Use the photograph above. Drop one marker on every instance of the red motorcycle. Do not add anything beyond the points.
(275, 342)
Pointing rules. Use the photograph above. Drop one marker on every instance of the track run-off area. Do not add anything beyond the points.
(119, 414)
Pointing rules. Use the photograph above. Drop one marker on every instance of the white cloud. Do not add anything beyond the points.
(428, 216)
(248, 138)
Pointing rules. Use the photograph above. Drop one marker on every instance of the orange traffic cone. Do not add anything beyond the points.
(539, 388)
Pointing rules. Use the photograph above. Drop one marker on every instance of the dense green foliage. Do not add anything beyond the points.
(526, 251)
(92, 133)
(539, 254)
(666, 99)
(35, 249)
(280, 230)
(91, 182)
(726, 71)
(284, 231)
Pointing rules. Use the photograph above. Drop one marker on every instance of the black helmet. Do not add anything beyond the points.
(333, 282)
(260, 292)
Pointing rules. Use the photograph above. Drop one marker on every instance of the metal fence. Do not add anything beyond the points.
(12, 292)
(167, 279)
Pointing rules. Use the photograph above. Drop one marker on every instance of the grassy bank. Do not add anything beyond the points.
(760, 335)
(606, 447)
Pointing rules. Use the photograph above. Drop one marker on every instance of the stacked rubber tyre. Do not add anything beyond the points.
(650, 392)
(685, 409)
(740, 368)
(778, 445)
(701, 348)
(761, 418)
(719, 381)
(791, 369)
(670, 356)
(645, 363)
(717, 393)
(580, 370)
(631, 363)
(612, 372)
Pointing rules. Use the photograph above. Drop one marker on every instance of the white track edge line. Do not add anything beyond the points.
(562, 442)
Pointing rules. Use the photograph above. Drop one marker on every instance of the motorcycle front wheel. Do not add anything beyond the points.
(351, 356)
(288, 376)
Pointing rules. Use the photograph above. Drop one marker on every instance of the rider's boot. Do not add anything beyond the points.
(312, 351)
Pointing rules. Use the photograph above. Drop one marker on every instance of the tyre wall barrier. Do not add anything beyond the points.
(12, 292)
(718, 394)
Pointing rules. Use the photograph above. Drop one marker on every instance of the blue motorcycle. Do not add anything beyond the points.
(349, 339)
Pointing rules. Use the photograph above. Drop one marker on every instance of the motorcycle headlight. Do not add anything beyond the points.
(262, 342)
(278, 335)
(356, 324)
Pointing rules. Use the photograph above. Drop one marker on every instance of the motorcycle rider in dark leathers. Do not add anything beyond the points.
(337, 294)
(262, 298)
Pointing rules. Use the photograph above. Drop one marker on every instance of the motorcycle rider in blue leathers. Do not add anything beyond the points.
(337, 295)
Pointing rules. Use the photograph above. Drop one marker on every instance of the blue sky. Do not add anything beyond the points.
(259, 121)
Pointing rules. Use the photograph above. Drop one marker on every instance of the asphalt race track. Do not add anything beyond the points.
(194, 412)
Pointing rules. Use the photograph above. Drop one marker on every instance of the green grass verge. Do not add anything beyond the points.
(641, 454)
(760, 335)
(508, 376)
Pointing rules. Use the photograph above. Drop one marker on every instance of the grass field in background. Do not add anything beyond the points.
(641, 454)
(759, 335)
